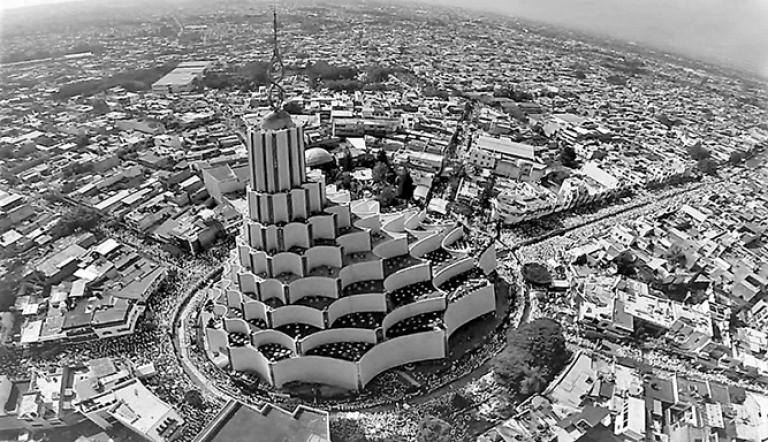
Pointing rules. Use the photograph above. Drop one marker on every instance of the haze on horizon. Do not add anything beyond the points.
(728, 32)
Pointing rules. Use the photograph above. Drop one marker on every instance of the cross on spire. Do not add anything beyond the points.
(276, 91)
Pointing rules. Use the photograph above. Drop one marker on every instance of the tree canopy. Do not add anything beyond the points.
(707, 166)
(79, 218)
(568, 157)
(625, 263)
(698, 152)
(537, 274)
(534, 355)
(433, 429)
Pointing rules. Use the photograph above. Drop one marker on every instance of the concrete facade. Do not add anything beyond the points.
(312, 280)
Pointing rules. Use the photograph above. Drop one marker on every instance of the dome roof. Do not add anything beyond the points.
(317, 156)
(277, 120)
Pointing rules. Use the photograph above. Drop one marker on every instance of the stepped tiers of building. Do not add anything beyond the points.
(334, 292)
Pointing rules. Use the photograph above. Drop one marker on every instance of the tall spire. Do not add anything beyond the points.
(276, 91)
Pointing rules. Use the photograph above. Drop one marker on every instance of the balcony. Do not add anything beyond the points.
(410, 293)
(349, 351)
(416, 324)
(369, 320)
(297, 330)
(275, 352)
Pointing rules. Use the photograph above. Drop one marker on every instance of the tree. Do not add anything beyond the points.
(345, 180)
(294, 107)
(82, 140)
(707, 166)
(675, 255)
(346, 161)
(534, 354)
(736, 157)
(533, 382)
(459, 401)
(382, 157)
(379, 172)
(194, 398)
(536, 274)
(510, 366)
(405, 186)
(432, 429)
(625, 263)
(698, 153)
(80, 218)
(387, 196)
(568, 157)
(100, 106)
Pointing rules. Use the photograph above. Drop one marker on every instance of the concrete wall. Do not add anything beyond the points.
(296, 234)
(289, 314)
(413, 309)
(395, 225)
(258, 262)
(236, 325)
(272, 288)
(408, 276)
(217, 339)
(249, 359)
(272, 243)
(323, 226)
(314, 195)
(247, 282)
(324, 256)
(355, 242)
(426, 245)
(255, 310)
(253, 234)
(280, 208)
(343, 216)
(365, 208)
(361, 271)
(299, 204)
(219, 310)
(453, 270)
(370, 302)
(453, 236)
(371, 222)
(413, 222)
(287, 262)
(391, 248)
(244, 252)
(469, 307)
(316, 369)
(313, 286)
(487, 260)
(400, 351)
(234, 298)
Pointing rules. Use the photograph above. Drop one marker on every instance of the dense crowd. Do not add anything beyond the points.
(152, 340)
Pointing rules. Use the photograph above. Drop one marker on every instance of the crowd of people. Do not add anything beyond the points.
(393, 405)
(152, 340)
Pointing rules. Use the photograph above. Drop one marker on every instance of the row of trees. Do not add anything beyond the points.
(132, 80)
(391, 184)
(321, 74)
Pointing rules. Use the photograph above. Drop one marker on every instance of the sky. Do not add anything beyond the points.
(729, 32)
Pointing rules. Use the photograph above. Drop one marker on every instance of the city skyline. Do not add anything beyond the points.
(719, 31)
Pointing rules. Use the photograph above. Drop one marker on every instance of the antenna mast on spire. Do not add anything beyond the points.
(276, 91)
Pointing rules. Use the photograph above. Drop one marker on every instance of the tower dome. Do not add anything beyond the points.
(277, 120)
